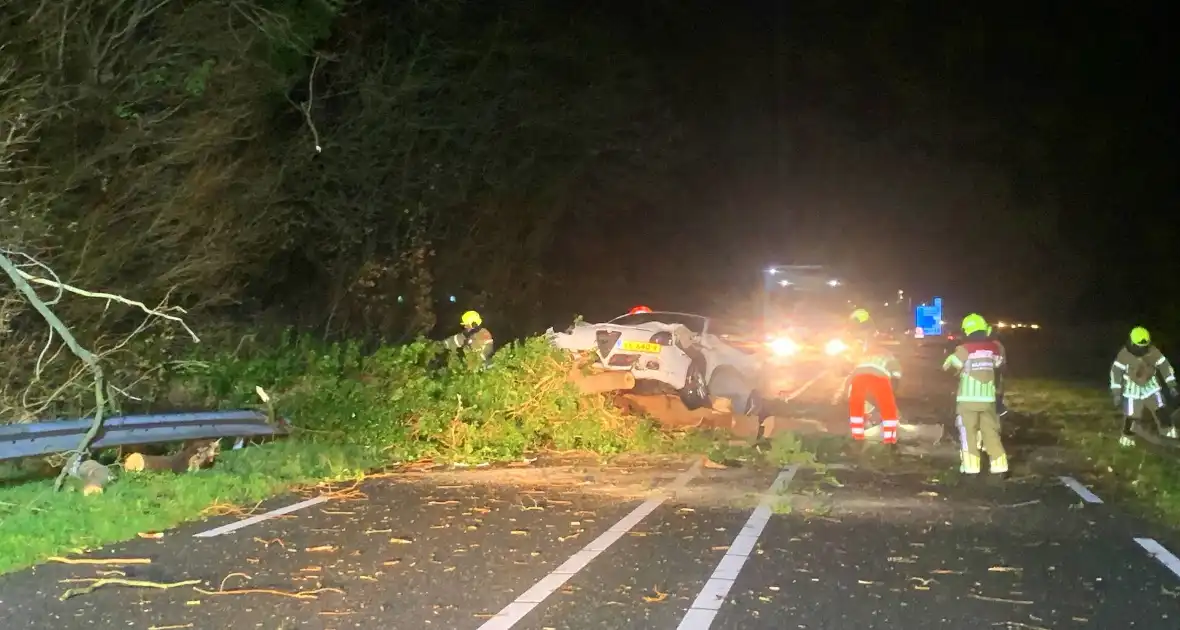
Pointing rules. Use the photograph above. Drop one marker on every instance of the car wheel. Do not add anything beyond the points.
(695, 394)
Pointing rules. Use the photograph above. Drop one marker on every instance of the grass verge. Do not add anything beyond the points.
(1083, 420)
(356, 410)
(36, 522)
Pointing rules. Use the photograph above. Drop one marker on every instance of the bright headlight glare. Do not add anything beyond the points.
(782, 346)
(835, 346)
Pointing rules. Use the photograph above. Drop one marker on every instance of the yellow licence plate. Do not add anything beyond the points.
(642, 346)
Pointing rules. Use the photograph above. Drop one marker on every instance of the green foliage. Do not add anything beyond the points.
(36, 522)
(414, 400)
(1082, 419)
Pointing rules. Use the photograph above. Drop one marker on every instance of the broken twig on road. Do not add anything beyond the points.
(101, 582)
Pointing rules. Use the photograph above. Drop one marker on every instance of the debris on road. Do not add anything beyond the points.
(101, 582)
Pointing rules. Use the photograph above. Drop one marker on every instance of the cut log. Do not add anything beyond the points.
(138, 462)
(194, 456)
(602, 382)
(670, 412)
(722, 405)
(94, 477)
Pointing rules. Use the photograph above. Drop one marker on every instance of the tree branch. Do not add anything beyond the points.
(57, 284)
(84, 355)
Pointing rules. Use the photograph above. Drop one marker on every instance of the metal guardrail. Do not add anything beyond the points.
(59, 436)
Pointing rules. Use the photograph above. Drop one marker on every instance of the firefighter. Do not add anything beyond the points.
(876, 375)
(861, 328)
(639, 309)
(976, 360)
(1134, 383)
(473, 336)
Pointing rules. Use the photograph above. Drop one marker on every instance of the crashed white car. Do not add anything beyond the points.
(670, 350)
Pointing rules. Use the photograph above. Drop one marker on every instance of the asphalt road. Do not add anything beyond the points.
(652, 544)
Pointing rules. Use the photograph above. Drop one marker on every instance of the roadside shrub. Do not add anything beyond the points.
(416, 400)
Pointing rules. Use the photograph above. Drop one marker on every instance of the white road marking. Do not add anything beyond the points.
(704, 609)
(1083, 491)
(511, 614)
(1160, 553)
(232, 527)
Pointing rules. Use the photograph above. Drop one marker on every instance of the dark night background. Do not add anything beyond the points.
(538, 160)
(1018, 161)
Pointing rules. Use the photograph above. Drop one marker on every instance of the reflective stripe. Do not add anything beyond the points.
(1119, 365)
(1162, 361)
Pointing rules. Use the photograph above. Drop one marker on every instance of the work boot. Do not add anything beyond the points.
(969, 464)
(998, 467)
(1171, 433)
(1126, 441)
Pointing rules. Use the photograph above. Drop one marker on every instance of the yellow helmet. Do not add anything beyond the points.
(471, 319)
(974, 323)
(860, 315)
(1140, 336)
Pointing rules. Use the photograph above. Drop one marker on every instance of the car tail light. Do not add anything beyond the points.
(664, 338)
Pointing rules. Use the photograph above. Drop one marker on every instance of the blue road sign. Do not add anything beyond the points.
(928, 317)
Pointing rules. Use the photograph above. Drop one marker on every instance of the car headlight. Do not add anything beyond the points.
(835, 346)
(783, 346)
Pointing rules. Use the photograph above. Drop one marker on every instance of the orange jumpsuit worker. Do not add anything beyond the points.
(875, 375)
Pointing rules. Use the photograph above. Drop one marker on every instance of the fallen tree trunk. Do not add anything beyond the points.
(601, 382)
(139, 462)
(668, 411)
(194, 456)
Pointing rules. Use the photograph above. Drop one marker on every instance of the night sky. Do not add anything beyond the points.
(1017, 161)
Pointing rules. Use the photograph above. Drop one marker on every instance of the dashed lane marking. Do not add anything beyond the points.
(704, 609)
(1082, 491)
(232, 527)
(1159, 552)
(511, 614)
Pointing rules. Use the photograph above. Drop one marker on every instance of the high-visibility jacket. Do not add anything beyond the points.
(976, 360)
(477, 339)
(880, 364)
(1135, 374)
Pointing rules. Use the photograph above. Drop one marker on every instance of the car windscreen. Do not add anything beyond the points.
(695, 323)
